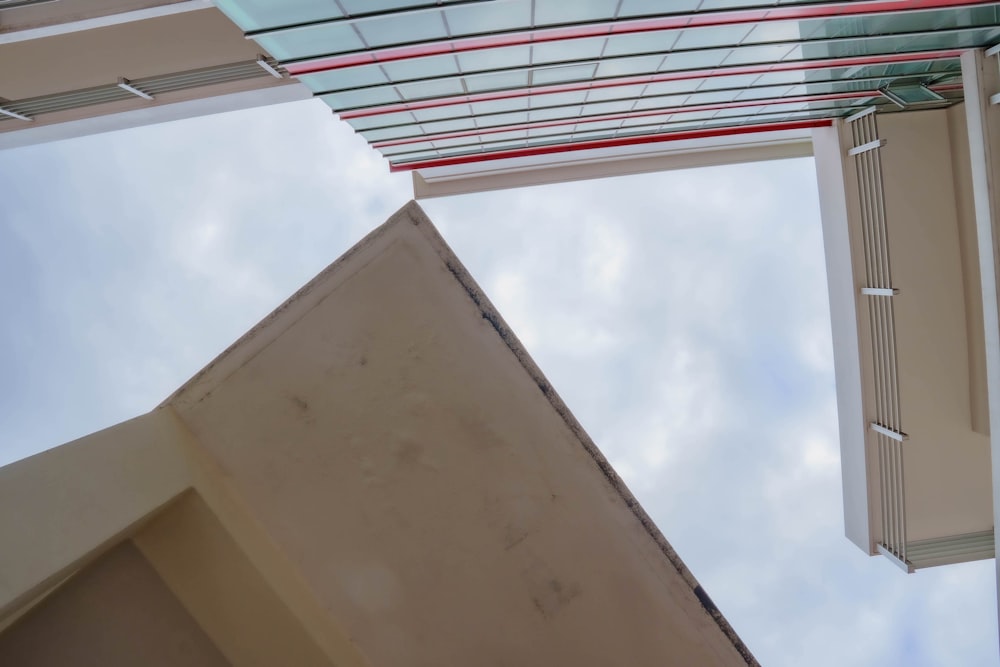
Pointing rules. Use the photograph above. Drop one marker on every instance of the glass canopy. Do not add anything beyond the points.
(444, 83)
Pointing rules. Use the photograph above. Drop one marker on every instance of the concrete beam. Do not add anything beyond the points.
(64, 507)
(981, 79)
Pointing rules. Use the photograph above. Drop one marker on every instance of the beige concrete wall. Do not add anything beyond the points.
(62, 507)
(947, 464)
(221, 589)
(138, 49)
(45, 14)
(116, 612)
(845, 271)
(385, 435)
(958, 137)
(378, 474)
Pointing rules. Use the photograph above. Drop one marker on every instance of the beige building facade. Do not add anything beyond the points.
(72, 69)
(376, 474)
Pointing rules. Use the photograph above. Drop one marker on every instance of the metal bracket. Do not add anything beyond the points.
(125, 84)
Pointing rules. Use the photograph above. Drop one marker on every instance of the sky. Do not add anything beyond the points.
(682, 316)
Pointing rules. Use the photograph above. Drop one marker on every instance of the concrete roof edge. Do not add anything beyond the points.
(286, 314)
(300, 303)
(492, 315)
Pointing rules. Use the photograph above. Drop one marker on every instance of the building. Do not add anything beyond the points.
(894, 99)
(376, 474)
(71, 69)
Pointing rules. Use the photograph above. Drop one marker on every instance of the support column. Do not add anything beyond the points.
(981, 79)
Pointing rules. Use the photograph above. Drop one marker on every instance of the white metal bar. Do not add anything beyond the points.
(864, 148)
(888, 432)
(104, 21)
(124, 84)
(859, 114)
(993, 50)
(895, 560)
(266, 66)
(880, 291)
(14, 114)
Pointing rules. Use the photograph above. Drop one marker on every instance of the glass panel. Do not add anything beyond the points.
(782, 31)
(601, 125)
(455, 125)
(353, 77)
(321, 40)
(774, 78)
(489, 17)
(551, 114)
(499, 81)
(561, 74)
(661, 102)
(544, 131)
(503, 119)
(438, 113)
(699, 38)
(605, 108)
(651, 7)
(499, 106)
(361, 98)
(370, 6)
(759, 54)
(557, 98)
(669, 87)
(421, 68)
(416, 27)
(645, 42)
(428, 89)
(258, 14)
(575, 49)
(615, 93)
(738, 81)
(694, 59)
(763, 92)
(548, 12)
(389, 133)
(383, 120)
(516, 135)
(510, 56)
(645, 120)
(626, 66)
(389, 151)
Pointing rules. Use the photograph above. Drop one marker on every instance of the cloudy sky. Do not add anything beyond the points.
(682, 316)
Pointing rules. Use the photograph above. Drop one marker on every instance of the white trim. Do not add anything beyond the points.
(266, 66)
(880, 291)
(104, 21)
(858, 115)
(125, 84)
(896, 560)
(870, 146)
(152, 114)
(888, 432)
(839, 208)
(979, 76)
(603, 163)
(14, 114)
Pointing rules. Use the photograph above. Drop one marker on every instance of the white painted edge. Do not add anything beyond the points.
(865, 148)
(505, 176)
(153, 114)
(104, 21)
(888, 432)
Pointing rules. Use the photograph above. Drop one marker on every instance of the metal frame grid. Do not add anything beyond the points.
(886, 428)
(478, 80)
